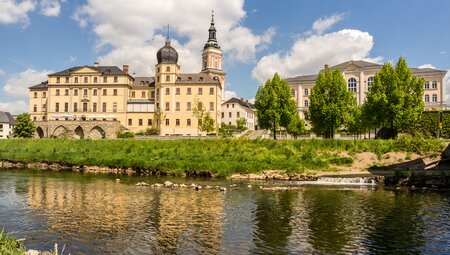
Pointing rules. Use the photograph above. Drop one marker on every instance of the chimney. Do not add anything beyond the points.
(326, 66)
(125, 69)
(96, 64)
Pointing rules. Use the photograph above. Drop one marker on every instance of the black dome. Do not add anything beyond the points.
(167, 54)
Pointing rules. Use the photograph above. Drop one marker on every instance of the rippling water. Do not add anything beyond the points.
(92, 214)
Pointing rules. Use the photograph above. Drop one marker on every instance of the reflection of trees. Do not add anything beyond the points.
(396, 221)
(330, 219)
(273, 217)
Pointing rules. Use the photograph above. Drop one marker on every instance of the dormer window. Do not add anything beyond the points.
(189, 79)
(200, 79)
(179, 79)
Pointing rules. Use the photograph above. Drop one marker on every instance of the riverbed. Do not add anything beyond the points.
(96, 214)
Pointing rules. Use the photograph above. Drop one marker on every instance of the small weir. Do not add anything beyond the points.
(344, 180)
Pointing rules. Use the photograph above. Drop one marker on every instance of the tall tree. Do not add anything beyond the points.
(205, 121)
(394, 102)
(274, 105)
(331, 103)
(23, 126)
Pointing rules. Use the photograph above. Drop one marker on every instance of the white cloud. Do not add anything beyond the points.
(17, 85)
(230, 94)
(323, 24)
(12, 11)
(16, 107)
(2, 72)
(139, 31)
(442, 52)
(309, 55)
(427, 66)
(51, 7)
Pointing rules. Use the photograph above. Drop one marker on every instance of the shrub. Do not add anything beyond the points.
(125, 134)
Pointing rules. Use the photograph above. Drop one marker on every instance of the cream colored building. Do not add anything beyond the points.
(109, 93)
(360, 75)
(6, 125)
(235, 108)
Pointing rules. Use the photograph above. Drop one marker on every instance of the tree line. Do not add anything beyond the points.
(393, 104)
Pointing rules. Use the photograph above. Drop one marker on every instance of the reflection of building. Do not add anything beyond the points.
(234, 109)
(360, 75)
(6, 125)
(107, 93)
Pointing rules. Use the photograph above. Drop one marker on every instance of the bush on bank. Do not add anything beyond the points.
(217, 157)
(9, 245)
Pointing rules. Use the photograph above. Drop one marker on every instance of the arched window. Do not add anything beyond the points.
(427, 85)
(306, 103)
(427, 98)
(434, 98)
(434, 85)
(369, 82)
(352, 84)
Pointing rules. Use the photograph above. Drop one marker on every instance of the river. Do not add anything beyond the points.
(94, 214)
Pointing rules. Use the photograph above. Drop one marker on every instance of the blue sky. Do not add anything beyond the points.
(258, 37)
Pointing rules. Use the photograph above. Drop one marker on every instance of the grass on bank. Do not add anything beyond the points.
(9, 245)
(218, 157)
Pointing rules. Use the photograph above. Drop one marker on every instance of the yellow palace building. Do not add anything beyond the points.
(98, 101)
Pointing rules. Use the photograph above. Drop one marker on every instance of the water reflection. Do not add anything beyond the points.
(96, 215)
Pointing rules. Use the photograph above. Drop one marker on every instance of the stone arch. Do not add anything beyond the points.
(79, 133)
(40, 132)
(60, 132)
(97, 133)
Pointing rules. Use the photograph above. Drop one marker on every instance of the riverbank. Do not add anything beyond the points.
(212, 158)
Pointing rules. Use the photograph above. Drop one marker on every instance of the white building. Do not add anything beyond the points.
(234, 109)
(6, 125)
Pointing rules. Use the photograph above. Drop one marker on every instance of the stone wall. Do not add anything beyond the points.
(78, 129)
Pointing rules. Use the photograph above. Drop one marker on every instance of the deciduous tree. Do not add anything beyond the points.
(23, 126)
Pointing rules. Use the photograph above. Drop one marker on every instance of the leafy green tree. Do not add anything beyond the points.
(331, 103)
(23, 126)
(357, 124)
(240, 125)
(274, 104)
(394, 102)
(205, 121)
(296, 127)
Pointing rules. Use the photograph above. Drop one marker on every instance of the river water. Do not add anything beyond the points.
(93, 214)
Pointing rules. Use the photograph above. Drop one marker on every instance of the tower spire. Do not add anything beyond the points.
(212, 40)
(212, 18)
(168, 34)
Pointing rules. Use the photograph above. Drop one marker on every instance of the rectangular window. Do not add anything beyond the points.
(188, 122)
(211, 91)
(75, 92)
(177, 122)
(104, 92)
(67, 79)
(140, 122)
(130, 122)
(44, 94)
(76, 80)
(167, 77)
(75, 106)
(115, 107)
(189, 91)
(167, 122)
(143, 94)
(57, 92)
(229, 115)
(223, 115)
(232, 105)
(228, 105)
(153, 94)
(306, 92)
(167, 91)
(85, 107)
(200, 91)
(238, 114)
(188, 106)
(167, 106)
(115, 79)
(66, 92)
(168, 69)
(177, 106)
(85, 79)
(149, 122)
(35, 94)
(95, 80)
(35, 108)
(57, 80)
(85, 92)
(43, 107)
(105, 79)
(95, 92)
(211, 106)
(133, 94)
(200, 105)
(115, 92)
(66, 107)
(177, 91)
(94, 107)
(104, 107)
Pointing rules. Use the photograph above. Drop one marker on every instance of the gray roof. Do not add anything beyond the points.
(6, 117)
(359, 63)
(144, 82)
(302, 78)
(195, 78)
(242, 102)
(42, 85)
(426, 70)
(102, 69)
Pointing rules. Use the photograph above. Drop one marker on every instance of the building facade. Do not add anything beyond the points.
(360, 76)
(6, 125)
(108, 93)
(235, 108)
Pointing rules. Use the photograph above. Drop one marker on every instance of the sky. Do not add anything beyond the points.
(258, 37)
